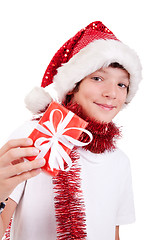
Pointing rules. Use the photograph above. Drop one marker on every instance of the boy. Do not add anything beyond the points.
(94, 75)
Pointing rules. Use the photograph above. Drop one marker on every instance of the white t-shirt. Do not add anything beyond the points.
(107, 190)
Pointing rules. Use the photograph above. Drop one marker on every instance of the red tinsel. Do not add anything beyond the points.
(69, 204)
(103, 140)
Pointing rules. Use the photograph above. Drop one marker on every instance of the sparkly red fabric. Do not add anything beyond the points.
(93, 31)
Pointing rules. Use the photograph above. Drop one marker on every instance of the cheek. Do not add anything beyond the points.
(78, 97)
(84, 93)
(122, 99)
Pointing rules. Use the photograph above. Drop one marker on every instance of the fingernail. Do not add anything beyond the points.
(42, 161)
(29, 141)
(35, 151)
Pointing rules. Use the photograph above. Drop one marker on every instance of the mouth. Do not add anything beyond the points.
(106, 106)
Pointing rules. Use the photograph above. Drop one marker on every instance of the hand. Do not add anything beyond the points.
(13, 168)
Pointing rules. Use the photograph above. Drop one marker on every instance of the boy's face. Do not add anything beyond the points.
(103, 93)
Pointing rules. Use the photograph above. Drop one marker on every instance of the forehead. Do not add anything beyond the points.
(113, 71)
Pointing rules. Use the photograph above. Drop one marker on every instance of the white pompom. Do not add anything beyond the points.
(37, 100)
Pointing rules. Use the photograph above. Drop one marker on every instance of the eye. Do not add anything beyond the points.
(122, 85)
(98, 79)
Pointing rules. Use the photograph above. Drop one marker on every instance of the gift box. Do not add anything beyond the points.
(55, 135)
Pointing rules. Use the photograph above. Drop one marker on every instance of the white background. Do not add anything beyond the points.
(32, 31)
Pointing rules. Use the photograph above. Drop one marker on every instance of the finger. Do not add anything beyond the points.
(20, 168)
(14, 143)
(11, 183)
(17, 153)
(25, 176)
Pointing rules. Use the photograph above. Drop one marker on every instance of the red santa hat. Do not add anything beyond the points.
(90, 49)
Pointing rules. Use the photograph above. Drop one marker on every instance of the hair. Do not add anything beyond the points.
(76, 88)
(117, 65)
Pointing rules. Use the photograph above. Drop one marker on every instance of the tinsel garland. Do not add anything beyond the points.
(103, 140)
(69, 203)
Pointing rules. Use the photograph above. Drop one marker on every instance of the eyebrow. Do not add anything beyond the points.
(103, 71)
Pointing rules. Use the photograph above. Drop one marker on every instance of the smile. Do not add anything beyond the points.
(105, 106)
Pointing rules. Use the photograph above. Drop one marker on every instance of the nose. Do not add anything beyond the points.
(109, 91)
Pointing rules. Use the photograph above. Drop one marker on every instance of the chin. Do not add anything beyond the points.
(104, 119)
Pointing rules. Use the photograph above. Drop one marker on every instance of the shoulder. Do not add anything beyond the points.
(123, 165)
(120, 155)
(116, 159)
(116, 154)
(24, 130)
(120, 160)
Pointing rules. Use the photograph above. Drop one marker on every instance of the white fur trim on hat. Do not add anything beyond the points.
(97, 54)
